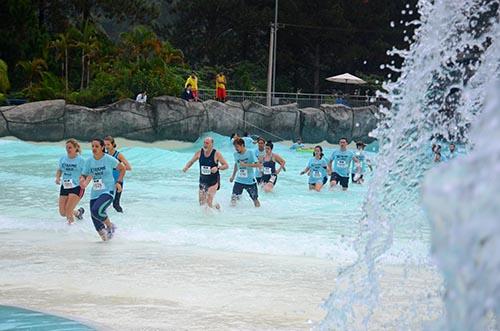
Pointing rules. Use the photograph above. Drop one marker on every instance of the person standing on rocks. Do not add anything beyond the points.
(193, 81)
(220, 87)
(243, 173)
(187, 94)
(110, 145)
(68, 175)
(210, 161)
(142, 97)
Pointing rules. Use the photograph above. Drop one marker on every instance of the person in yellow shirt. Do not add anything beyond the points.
(193, 81)
(220, 87)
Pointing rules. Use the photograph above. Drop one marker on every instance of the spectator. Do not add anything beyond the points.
(220, 87)
(193, 81)
(142, 97)
(188, 93)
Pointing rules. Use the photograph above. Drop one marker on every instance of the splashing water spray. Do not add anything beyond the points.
(444, 94)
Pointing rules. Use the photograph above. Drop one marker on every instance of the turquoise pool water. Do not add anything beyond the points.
(13, 318)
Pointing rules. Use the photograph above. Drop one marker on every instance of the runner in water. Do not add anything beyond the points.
(110, 145)
(243, 173)
(452, 152)
(341, 160)
(211, 161)
(70, 168)
(269, 171)
(359, 168)
(260, 151)
(99, 171)
(317, 169)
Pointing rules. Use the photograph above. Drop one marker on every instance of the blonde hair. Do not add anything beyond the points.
(75, 144)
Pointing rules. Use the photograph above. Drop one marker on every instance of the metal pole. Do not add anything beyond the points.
(275, 45)
(270, 68)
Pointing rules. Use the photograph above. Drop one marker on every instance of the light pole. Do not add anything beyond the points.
(271, 69)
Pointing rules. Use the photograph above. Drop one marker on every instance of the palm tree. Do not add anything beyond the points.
(62, 44)
(33, 70)
(4, 77)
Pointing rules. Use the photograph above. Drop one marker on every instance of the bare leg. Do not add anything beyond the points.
(212, 190)
(333, 183)
(62, 205)
(71, 203)
(318, 187)
(268, 187)
(256, 203)
(202, 197)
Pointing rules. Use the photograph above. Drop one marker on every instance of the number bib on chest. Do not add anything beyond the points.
(206, 170)
(316, 174)
(341, 163)
(243, 173)
(68, 183)
(266, 171)
(98, 185)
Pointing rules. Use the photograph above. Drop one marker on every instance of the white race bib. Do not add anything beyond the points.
(243, 173)
(68, 183)
(205, 170)
(98, 185)
(267, 171)
(316, 174)
(341, 164)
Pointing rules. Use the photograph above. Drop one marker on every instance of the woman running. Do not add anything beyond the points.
(99, 171)
(211, 161)
(317, 169)
(269, 172)
(70, 168)
(109, 143)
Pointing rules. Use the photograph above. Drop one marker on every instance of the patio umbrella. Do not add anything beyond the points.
(346, 79)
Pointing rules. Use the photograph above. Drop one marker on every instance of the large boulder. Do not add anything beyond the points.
(340, 122)
(365, 120)
(37, 121)
(275, 123)
(83, 123)
(129, 119)
(178, 119)
(4, 129)
(313, 125)
(224, 118)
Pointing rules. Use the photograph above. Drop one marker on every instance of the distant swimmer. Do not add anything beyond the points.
(358, 169)
(340, 163)
(68, 175)
(298, 144)
(317, 170)
(110, 145)
(210, 161)
(99, 171)
(269, 171)
(260, 151)
(243, 173)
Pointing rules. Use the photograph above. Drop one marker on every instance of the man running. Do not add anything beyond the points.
(211, 161)
(358, 170)
(243, 173)
(99, 171)
(341, 160)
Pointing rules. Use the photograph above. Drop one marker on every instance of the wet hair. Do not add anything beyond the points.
(101, 142)
(261, 139)
(233, 135)
(111, 140)
(239, 141)
(320, 148)
(270, 144)
(75, 144)
(343, 138)
(360, 143)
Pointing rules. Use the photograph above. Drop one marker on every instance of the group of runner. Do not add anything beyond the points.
(255, 165)
(105, 169)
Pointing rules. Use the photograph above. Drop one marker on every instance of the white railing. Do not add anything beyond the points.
(303, 100)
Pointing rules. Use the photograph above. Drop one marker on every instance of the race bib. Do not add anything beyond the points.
(205, 170)
(317, 174)
(98, 185)
(267, 171)
(243, 173)
(341, 164)
(68, 183)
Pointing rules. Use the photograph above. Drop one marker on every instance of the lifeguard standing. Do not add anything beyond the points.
(220, 87)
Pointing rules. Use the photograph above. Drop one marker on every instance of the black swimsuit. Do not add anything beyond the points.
(207, 178)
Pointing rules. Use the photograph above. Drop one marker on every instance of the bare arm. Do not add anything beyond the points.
(195, 158)
(58, 176)
(220, 159)
(84, 181)
(304, 171)
(122, 158)
(234, 173)
(281, 162)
